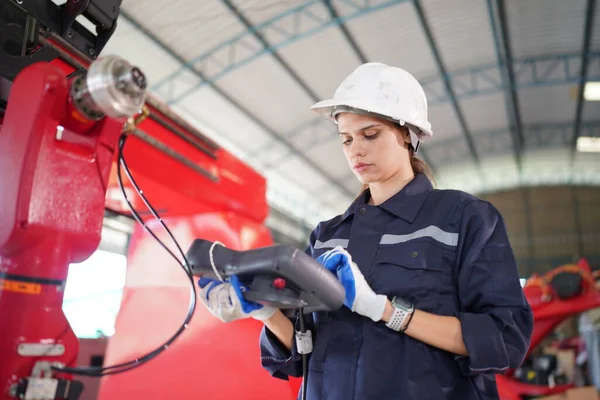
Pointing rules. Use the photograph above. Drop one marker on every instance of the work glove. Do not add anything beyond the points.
(225, 300)
(360, 297)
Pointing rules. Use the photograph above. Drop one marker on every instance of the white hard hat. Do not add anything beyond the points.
(384, 91)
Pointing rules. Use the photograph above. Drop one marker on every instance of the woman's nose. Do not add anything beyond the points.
(357, 149)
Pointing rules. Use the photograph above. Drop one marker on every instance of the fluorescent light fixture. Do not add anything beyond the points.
(586, 144)
(591, 91)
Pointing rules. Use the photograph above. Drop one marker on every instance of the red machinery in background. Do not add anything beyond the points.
(60, 123)
(554, 297)
(59, 135)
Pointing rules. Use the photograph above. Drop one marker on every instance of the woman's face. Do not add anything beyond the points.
(375, 149)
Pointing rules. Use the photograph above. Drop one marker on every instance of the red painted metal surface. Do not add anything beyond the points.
(52, 199)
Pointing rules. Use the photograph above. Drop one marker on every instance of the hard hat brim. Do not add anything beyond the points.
(325, 109)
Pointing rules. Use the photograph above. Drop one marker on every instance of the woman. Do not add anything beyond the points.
(434, 307)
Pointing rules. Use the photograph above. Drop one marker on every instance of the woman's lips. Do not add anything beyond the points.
(361, 167)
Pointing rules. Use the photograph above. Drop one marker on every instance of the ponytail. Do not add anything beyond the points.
(420, 167)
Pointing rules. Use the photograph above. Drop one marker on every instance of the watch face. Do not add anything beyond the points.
(401, 303)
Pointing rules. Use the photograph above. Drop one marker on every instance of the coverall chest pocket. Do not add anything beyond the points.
(415, 271)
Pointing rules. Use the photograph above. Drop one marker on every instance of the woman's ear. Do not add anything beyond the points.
(405, 134)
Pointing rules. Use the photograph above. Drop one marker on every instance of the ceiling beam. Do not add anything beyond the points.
(152, 37)
(303, 17)
(501, 35)
(448, 86)
(269, 49)
(347, 35)
(583, 76)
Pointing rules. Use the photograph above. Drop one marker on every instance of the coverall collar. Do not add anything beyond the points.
(405, 204)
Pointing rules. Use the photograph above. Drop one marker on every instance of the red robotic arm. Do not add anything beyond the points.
(57, 173)
(55, 169)
(552, 304)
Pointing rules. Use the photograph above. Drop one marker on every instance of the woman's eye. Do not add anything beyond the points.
(371, 136)
(346, 142)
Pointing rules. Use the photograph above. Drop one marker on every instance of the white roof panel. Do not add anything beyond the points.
(191, 28)
(485, 113)
(280, 27)
(547, 104)
(300, 173)
(261, 11)
(306, 38)
(317, 132)
(323, 61)
(453, 23)
(266, 89)
(443, 122)
(545, 27)
(394, 36)
(218, 116)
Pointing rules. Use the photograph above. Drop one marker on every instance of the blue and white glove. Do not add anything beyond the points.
(225, 301)
(359, 295)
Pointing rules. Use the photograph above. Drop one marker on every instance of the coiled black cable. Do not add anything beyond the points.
(123, 367)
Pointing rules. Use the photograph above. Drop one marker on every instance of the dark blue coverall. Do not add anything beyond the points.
(448, 253)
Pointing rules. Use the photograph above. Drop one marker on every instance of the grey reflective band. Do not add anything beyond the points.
(447, 238)
(331, 243)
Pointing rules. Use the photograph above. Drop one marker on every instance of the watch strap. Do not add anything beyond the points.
(397, 320)
(405, 326)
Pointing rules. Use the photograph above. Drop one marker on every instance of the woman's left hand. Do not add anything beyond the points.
(359, 295)
(225, 300)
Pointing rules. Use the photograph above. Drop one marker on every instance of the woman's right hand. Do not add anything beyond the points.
(225, 301)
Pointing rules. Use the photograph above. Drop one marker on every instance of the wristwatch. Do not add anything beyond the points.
(402, 311)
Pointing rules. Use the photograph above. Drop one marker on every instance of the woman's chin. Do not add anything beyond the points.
(365, 179)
